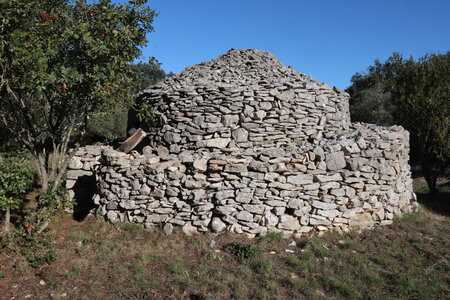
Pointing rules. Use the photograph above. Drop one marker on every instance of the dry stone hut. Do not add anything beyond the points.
(246, 144)
(245, 99)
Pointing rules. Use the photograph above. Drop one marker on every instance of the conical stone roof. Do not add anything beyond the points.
(246, 98)
(239, 67)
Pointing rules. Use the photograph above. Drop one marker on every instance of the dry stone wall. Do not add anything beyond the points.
(245, 99)
(245, 144)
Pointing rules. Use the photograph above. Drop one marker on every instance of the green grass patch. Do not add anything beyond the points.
(272, 237)
(243, 251)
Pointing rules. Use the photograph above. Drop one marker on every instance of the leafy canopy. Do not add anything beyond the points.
(63, 60)
(370, 100)
(414, 94)
(421, 91)
(16, 178)
(149, 73)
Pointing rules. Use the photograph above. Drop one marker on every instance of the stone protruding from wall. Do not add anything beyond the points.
(245, 99)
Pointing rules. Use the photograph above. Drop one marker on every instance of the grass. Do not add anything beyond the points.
(408, 260)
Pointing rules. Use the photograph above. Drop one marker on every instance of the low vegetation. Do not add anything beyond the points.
(408, 260)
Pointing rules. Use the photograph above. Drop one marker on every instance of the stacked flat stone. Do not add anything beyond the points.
(245, 144)
(246, 99)
(84, 163)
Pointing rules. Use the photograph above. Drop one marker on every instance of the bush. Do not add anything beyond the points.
(16, 178)
(107, 126)
(242, 251)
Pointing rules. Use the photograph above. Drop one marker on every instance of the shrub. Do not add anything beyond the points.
(242, 251)
(16, 178)
(107, 126)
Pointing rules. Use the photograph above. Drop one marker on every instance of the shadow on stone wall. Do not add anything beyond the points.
(84, 189)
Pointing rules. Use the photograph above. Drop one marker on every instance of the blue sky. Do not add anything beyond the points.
(329, 40)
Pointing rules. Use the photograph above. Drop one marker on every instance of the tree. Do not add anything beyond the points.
(111, 125)
(414, 94)
(61, 61)
(149, 73)
(370, 101)
(421, 91)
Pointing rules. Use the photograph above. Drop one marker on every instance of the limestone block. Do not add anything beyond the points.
(289, 223)
(200, 165)
(75, 174)
(240, 135)
(315, 220)
(270, 220)
(335, 161)
(244, 216)
(295, 203)
(172, 137)
(300, 179)
(328, 178)
(363, 220)
(112, 216)
(217, 225)
(188, 229)
(214, 143)
(323, 205)
(168, 229)
(75, 163)
(254, 208)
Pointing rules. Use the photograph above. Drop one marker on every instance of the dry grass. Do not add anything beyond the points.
(409, 260)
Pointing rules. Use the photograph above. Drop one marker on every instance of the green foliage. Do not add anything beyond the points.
(272, 237)
(55, 199)
(149, 73)
(243, 251)
(50, 202)
(414, 94)
(177, 268)
(145, 112)
(262, 266)
(373, 105)
(111, 125)
(61, 62)
(421, 90)
(16, 178)
(37, 249)
(107, 126)
(370, 101)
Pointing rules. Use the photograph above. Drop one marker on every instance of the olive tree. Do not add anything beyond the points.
(414, 94)
(421, 92)
(370, 101)
(60, 62)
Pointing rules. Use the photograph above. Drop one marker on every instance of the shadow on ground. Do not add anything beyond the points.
(438, 202)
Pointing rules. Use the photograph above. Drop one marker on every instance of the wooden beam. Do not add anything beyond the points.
(132, 141)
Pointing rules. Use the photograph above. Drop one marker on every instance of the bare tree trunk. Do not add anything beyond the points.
(430, 176)
(41, 166)
(7, 221)
(62, 159)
